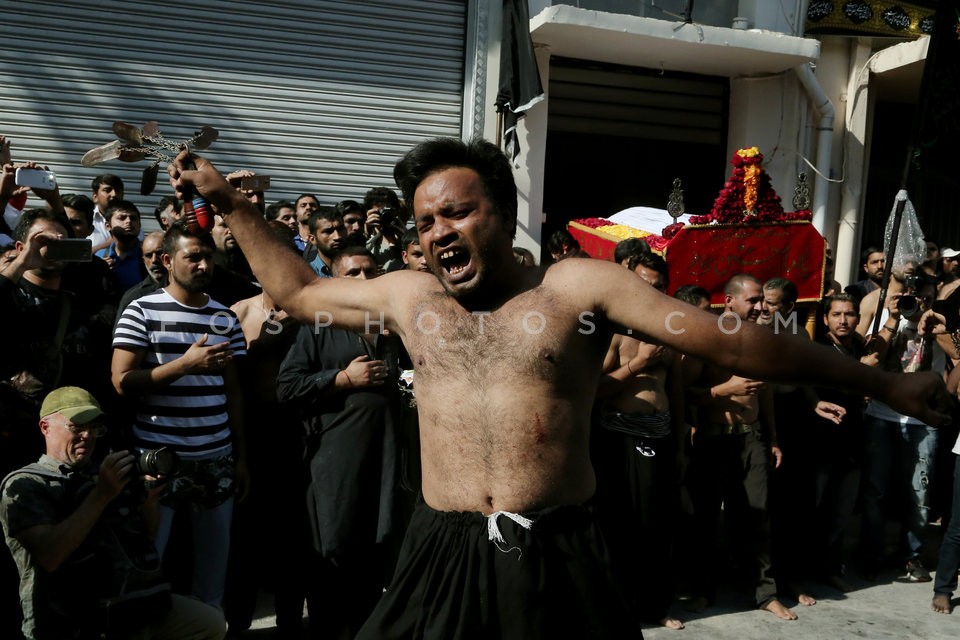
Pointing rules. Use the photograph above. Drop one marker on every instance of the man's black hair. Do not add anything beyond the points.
(691, 294)
(177, 230)
(30, 216)
(787, 289)
(350, 206)
(273, 211)
(107, 179)
(840, 297)
(165, 202)
(653, 261)
(485, 158)
(410, 236)
(865, 254)
(352, 250)
(380, 197)
(629, 248)
(120, 205)
(323, 212)
(561, 239)
(81, 203)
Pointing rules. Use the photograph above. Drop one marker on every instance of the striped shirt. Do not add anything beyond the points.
(190, 414)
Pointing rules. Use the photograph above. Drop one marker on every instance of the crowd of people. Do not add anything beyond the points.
(384, 409)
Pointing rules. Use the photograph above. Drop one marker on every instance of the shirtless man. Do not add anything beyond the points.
(507, 359)
(273, 517)
(868, 305)
(635, 454)
(735, 440)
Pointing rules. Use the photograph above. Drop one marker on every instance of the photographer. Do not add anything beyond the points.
(385, 224)
(900, 449)
(87, 565)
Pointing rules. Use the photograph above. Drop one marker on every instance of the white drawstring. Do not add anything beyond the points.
(493, 531)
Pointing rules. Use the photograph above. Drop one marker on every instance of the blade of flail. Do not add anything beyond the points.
(131, 155)
(103, 153)
(128, 133)
(204, 138)
(149, 179)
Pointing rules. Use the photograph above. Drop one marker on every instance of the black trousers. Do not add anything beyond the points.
(638, 503)
(732, 471)
(550, 581)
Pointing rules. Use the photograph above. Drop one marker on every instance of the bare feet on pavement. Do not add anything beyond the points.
(941, 603)
(671, 623)
(801, 595)
(776, 608)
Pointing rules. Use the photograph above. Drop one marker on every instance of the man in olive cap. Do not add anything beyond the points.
(59, 515)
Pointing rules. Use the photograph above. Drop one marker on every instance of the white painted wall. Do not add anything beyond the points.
(533, 154)
(763, 113)
(785, 16)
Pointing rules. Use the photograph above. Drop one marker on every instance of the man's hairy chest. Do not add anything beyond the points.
(532, 338)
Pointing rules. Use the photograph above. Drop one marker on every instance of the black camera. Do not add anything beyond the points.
(389, 217)
(909, 304)
(157, 462)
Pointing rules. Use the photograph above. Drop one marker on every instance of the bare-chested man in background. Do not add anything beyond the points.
(507, 359)
(635, 450)
(734, 446)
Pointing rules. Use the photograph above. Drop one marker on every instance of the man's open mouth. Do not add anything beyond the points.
(454, 261)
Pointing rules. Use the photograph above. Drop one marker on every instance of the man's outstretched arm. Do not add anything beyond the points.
(351, 304)
(745, 348)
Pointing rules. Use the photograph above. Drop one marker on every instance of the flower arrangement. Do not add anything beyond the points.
(657, 243)
(748, 196)
(593, 223)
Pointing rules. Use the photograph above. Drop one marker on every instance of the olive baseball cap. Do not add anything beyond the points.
(73, 403)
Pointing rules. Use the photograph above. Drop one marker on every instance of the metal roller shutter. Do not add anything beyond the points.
(323, 96)
(635, 103)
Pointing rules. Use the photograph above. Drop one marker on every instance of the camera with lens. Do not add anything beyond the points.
(909, 304)
(156, 462)
(389, 217)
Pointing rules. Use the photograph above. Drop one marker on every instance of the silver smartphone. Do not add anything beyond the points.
(36, 179)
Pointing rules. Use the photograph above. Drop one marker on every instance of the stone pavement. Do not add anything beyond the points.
(880, 610)
(885, 609)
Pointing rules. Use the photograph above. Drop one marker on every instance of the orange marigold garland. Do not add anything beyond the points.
(748, 196)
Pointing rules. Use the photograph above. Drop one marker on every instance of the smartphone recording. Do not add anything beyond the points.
(36, 178)
(255, 183)
(70, 250)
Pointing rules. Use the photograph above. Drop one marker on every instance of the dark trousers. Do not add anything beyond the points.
(552, 580)
(733, 471)
(836, 486)
(638, 505)
(949, 563)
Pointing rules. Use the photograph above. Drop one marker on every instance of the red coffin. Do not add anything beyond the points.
(710, 255)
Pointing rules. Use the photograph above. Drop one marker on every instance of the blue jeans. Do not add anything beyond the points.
(899, 464)
(946, 582)
(210, 528)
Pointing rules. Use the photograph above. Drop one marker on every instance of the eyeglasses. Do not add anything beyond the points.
(93, 429)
